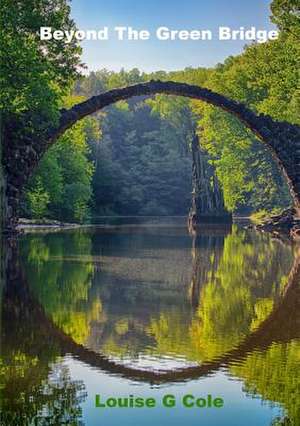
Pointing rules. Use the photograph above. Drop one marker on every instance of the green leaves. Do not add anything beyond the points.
(38, 200)
(286, 15)
(265, 78)
(61, 187)
(35, 74)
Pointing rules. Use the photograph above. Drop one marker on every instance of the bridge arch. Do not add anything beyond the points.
(21, 156)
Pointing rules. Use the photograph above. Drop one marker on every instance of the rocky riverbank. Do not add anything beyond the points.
(286, 223)
(24, 224)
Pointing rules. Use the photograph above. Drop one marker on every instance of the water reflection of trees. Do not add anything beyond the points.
(239, 293)
(274, 374)
(60, 271)
(36, 387)
(34, 393)
(236, 278)
(236, 281)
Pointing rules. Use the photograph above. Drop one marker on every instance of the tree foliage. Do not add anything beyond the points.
(286, 15)
(34, 74)
(65, 175)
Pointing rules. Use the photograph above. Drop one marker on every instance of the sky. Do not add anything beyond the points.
(152, 55)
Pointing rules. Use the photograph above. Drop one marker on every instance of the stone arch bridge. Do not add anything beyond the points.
(22, 148)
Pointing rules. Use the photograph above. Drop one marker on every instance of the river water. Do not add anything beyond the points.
(145, 309)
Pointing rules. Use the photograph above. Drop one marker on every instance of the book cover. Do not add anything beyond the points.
(150, 212)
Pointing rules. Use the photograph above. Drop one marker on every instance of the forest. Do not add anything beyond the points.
(134, 158)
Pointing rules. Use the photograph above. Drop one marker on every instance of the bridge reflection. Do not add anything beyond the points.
(24, 315)
(32, 324)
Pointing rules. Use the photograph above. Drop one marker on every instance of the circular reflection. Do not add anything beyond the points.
(153, 298)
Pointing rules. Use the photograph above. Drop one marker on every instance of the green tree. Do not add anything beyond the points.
(38, 200)
(35, 74)
(263, 77)
(65, 173)
(286, 15)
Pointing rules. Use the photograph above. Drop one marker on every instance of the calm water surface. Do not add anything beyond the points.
(148, 310)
